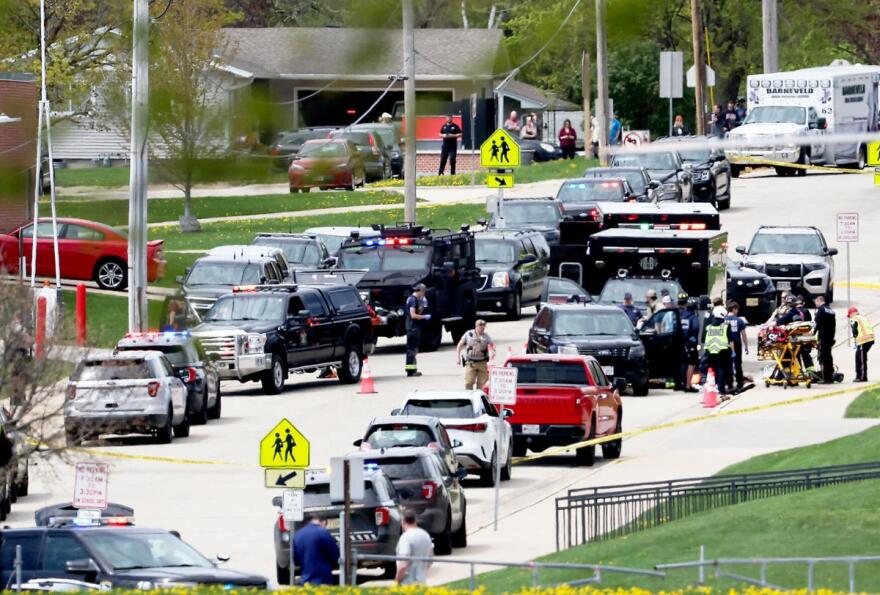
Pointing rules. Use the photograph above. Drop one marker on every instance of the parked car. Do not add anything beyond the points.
(397, 431)
(261, 334)
(480, 436)
(333, 237)
(239, 251)
(710, 170)
(564, 399)
(16, 477)
(797, 258)
(581, 195)
(123, 393)
(377, 162)
(513, 265)
(531, 214)
(752, 290)
(375, 521)
(327, 164)
(87, 250)
(644, 188)
(301, 250)
(604, 332)
(190, 362)
(541, 150)
(112, 552)
(425, 485)
(668, 169)
(559, 290)
(389, 136)
(288, 144)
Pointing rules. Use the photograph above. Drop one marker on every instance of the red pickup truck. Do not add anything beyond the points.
(563, 399)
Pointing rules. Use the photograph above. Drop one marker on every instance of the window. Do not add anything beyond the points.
(295, 306)
(524, 247)
(346, 300)
(530, 247)
(541, 247)
(399, 435)
(440, 408)
(59, 550)
(30, 547)
(81, 232)
(127, 551)
(543, 319)
(314, 304)
(44, 230)
(113, 369)
(598, 374)
(175, 353)
(490, 409)
(164, 367)
(550, 372)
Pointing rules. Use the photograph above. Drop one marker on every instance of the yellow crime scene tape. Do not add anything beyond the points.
(786, 164)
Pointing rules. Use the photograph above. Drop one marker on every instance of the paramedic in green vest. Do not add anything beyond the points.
(718, 348)
(863, 335)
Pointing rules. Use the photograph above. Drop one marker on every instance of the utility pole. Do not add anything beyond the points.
(409, 113)
(771, 36)
(699, 67)
(586, 91)
(602, 81)
(137, 206)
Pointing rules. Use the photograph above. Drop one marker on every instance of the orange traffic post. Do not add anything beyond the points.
(81, 314)
(41, 326)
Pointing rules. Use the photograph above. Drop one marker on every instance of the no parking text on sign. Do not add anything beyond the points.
(847, 227)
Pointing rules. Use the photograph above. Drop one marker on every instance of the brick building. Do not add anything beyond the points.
(18, 130)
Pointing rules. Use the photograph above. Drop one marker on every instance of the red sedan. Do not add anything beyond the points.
(86, 249)
(327, 164)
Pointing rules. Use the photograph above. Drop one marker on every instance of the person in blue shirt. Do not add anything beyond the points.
(316, 553)
(633, 312)
(614, 131)
(737, 326)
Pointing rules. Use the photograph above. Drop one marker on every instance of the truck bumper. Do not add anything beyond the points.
(548, 435)
(114, 423)
(243, 366)
(756, 156)
(498, 299)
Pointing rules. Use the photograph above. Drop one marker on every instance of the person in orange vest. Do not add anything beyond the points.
(863, 335)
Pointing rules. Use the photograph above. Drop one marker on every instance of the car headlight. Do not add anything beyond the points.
(669, 187)
(815, 266)
(548, 147)
(254, 344)
(637, 351)
(501, 279)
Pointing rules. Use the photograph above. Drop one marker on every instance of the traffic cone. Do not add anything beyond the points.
(525, 347)
(509, 352)
(710, 390)
(367, 386)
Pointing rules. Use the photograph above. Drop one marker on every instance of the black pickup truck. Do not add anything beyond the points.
(263, 333)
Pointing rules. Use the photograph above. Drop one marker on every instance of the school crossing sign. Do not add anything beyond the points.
(499, 151)
(284, 447)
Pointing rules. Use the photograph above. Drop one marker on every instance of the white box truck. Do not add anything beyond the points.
(812, 102)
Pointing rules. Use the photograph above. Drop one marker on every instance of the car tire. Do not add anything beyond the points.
(389, 571)
(431, 337)
(72, 438)
(735, 170)
(487, 476)
(640, 389)
(23, 487)
(4, 507)
(273, 378)
(111, 274)
(586, 455)
(443, 540)
(282, 575)
(612, 450)
(352, 365)
(507, 470)
(200, 417)
(165, 434)
(862, 160)
(386, 171)
(13, 493)
(459, 537)
(515, 310)
(723, 205)
(519, 449)
(214, 411)
(181, 430)
(829, 297)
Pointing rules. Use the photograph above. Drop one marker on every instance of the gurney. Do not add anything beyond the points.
(784, 346)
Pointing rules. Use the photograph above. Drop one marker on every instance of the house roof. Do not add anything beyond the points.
(365, 54)
(535, 97)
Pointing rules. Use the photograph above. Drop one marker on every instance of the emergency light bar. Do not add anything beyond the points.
(665, 226)
(636, 250)
(156, 335)
(388, 242)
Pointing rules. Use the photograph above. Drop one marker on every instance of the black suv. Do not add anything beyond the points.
(263, 333)
(302, 251)
(532, 214)
(641, 183)
(424, 484)
(579, 196)
(111, 551)
(189, 360)
(513, 266)
(216, 274)
(605, 332)
(666, 168)
(709, 169)
(402, 256)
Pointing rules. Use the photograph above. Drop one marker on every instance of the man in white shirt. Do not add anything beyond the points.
(415, 542)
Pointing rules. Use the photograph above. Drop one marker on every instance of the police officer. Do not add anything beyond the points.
(633, 312)
(826, 326)
(450, 132)
(478, 350)
(718, 347)
(416, 308)
(690, 331)
(788, 312)
(739, 340)
(863, 334)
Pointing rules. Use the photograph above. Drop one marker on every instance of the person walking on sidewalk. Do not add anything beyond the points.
(479, 348)
(316, 553)
(826, 327)
(863, 335)
(416, 315)
(415, 542)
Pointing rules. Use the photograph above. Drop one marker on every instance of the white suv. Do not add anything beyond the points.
(474, 426)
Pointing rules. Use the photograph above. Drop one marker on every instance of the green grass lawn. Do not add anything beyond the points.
(244, 171)
(866, 404)
(107, 317)
(536, 172)
(115, 212)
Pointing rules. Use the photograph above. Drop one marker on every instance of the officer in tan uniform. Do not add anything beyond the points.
(478, 350)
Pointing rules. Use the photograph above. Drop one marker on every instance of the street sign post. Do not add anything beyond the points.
(285, 478)
(90, 485)
(284, 447)
(847, 233)
(502, 390)
(500, 152)
(292, 506)
(671, 79)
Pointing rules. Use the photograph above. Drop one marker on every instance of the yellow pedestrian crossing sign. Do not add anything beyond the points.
(499, 151)
(874, 154)
(284, 447)
(499, 180)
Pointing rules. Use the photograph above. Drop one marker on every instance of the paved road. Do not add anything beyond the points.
(225, 508)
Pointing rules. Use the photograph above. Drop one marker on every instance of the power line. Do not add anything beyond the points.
(547, 43)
